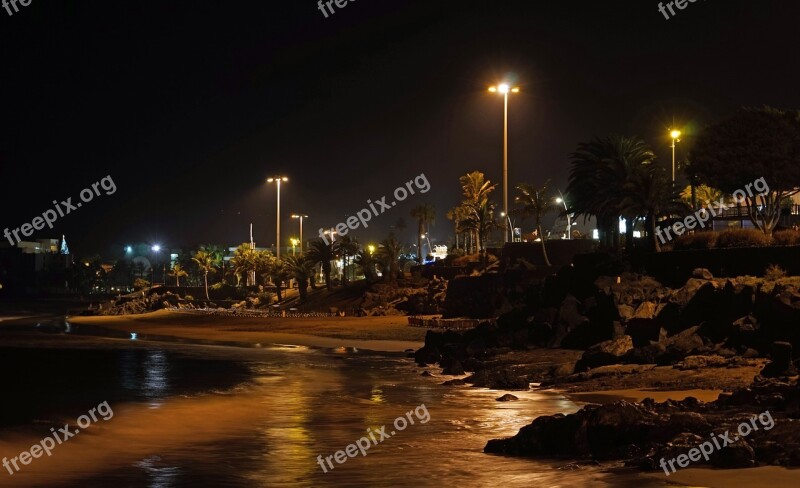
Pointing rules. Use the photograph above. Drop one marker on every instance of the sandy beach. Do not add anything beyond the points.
(387, 334)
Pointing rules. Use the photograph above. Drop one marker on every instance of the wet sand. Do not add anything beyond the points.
(772, 476)
(637, 395)
(389, 334)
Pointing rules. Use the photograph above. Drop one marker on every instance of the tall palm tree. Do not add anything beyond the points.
(243, 262)
(475, 187)
(535, 202)
(425, 215)
(454, 216)
(366, 261)
(207, 264)
(348, 247)
(323, 253)
(479, 212)
(389, 252)
(482, 222)
(218, 253)
(601, 171)
(301, 269)
(279, 273)
(650, 196)
(178, 272)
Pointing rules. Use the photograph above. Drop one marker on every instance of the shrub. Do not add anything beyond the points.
(774, 272)
(140, 283)
(741, 238)
(786, 238)
(698, 240)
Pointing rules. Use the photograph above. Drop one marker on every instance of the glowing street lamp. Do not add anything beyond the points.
(278, 180)
(371, 249)
(430, 249)
(294, 245)
(569, 223)
(675, 135)
(156, 249)
(504, 89)
(301, 217)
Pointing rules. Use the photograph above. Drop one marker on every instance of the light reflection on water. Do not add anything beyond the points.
(301, 404)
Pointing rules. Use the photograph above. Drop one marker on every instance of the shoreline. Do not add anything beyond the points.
(380, 334)
(390, 335)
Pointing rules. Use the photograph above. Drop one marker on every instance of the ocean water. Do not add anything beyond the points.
(188, 415)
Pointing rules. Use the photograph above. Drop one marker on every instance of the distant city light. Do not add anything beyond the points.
(156, 248)
(128, 249)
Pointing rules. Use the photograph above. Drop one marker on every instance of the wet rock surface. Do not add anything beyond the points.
(759, 425)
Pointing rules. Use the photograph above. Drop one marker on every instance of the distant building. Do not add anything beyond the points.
(41, 246)
(24, 267)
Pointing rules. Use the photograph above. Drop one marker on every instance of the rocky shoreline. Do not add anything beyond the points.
(642, 434)
(737, 335)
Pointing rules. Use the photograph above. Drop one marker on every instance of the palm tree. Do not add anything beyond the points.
(263, 262)
(479, 212)
(601, 171)
(323, 253)
(366, 261)
(218, 253)
(475, 187)
(243, 262)
(279, 273)
(482, 222)
(536, 203)
(348, 247)
(302, 270)
(425, 215)
(206, 263)
(178, 272)
(389, 252)
(650, 196)
(703, 193)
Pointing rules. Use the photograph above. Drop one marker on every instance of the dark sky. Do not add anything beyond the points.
(189, 106)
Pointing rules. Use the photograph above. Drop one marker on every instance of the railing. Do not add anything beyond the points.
(742, 211)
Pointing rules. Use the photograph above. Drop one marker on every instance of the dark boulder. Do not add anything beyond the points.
(644, 331)
(605, 353)
(781, 361)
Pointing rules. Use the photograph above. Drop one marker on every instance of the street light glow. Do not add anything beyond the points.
(278, 180)
(505, 88)
(675, 134)
(156, 248)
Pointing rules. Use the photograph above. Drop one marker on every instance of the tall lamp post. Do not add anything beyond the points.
(561, 199)
(156, 248)
(301, 217)
(510, 223)
(675, 135)
(278, 180)
(504, 88)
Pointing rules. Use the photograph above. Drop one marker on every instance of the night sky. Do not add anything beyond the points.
(189, 106)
